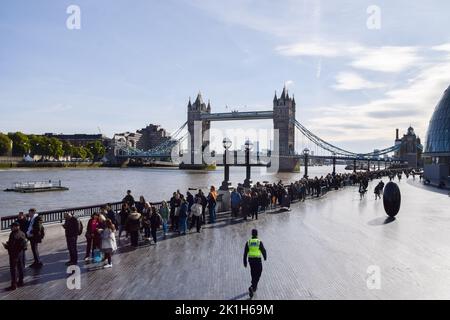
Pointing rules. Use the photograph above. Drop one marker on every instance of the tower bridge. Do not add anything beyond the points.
(285, 125)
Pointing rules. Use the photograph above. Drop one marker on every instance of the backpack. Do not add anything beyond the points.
(80, 227)
(38, 228)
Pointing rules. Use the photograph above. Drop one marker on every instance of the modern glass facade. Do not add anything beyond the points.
(438, 135)
(437, 146)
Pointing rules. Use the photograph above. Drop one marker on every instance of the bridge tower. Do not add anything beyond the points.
(198, 137)
(283, 121)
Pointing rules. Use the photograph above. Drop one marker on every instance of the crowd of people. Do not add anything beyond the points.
(139, 221)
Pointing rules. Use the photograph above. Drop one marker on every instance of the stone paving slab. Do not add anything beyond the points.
(320, 250)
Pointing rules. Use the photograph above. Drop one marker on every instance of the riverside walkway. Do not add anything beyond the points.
(319, 250)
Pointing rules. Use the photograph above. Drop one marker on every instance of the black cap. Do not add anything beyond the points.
(254, 233)
(15, 224)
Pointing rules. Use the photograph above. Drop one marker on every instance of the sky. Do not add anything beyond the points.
(357, 71)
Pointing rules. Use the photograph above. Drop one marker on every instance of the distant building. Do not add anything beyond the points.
(79, 139)
(144, 139)
(152, 136)
(128, 139)
(410, 149)
(437, 146)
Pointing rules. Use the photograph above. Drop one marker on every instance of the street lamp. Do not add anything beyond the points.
(226, 145)
(334, 163)
(306, 154)
(248, 148)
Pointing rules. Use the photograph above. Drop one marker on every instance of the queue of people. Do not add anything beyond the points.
(140, 220)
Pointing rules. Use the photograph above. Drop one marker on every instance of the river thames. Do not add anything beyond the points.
(96, 186)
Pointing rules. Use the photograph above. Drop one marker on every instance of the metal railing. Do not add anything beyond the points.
(54, 216)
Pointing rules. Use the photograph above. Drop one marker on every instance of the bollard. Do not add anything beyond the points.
(391, 199)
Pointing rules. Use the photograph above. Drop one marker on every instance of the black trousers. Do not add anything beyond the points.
(234, 211)
(134, 238)
(72, 247)
(16, 268)
(153, 232)
(197, 222)
(204, 214)
(255, 271)
(34, 248)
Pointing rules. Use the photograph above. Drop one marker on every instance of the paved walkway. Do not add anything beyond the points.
(319, 250)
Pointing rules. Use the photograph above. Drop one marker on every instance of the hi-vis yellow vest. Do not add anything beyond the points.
(253, 248)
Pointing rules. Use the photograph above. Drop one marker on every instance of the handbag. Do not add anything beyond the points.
(98, 256)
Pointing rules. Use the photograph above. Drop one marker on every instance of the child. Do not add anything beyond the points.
(108, 242)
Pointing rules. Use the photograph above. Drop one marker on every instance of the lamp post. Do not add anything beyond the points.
(226, 183)
(306, 154)
(334, 164)
(248, 147)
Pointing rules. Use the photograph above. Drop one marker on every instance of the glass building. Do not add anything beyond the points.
(437, 146)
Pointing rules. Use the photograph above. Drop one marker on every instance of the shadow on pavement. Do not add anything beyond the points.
(381, 221)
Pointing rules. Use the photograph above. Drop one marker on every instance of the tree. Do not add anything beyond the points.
(96, 149)
(79, 152)
(55, 148)
(21, 144)
(36, 145)
(67, 149)
(5, 144)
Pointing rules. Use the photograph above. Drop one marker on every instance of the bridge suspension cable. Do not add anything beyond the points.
(336, 150)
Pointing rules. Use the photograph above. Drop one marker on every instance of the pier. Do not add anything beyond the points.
(322, 249)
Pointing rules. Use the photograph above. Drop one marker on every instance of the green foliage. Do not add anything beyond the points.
(68, 149)
(55, 148)
(96, 150)
(5, 144)
(21, 144)
(79, 152)
(37, 145)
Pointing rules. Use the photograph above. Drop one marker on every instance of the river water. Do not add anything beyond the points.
(96, 186)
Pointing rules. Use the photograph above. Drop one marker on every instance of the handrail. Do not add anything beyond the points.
(53, 216)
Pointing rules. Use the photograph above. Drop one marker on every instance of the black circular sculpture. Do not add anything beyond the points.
(392, 199)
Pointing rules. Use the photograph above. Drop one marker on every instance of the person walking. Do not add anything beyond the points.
(91, 229)
(254, 205)
(212, 201)
(129, 199)
(23, 222)
(109, 244)
(164, 212)
(16, 245)
(133, 225)
(35, 234)
(123, 214)
(204, 202)
(254, 250)
(183, 216)
(146, 213)
(73, 228)
(236, 199)
(155, 223)
(23, 225)
(196, 212)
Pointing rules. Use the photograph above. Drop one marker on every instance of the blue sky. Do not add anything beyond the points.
(135, 63)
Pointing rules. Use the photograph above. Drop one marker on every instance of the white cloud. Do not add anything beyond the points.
(383, 59)
(411, 102)
(315, 49)
(289, 83)
(353, 81)
(387, 59)
(442, 47)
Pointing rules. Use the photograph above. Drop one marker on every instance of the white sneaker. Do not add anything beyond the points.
(106, 266)
(87, 259)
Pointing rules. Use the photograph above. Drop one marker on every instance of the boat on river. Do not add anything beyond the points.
(36, 186)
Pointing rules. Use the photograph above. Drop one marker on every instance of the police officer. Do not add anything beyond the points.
(254, 249)
(16, 245)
